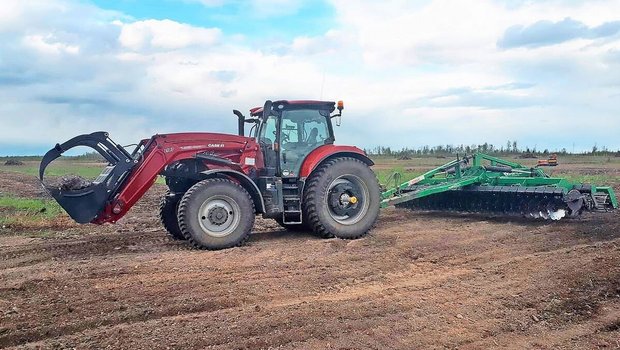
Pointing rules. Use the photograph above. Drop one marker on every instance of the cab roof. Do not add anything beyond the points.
(297, 104)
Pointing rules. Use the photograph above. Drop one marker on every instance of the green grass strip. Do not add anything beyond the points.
(33, 208)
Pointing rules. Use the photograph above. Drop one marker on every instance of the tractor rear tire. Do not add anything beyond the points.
(168, 208)
(216, 214)
(342, 198)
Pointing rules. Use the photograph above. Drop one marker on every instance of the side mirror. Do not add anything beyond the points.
(267, 109)
(338, 120)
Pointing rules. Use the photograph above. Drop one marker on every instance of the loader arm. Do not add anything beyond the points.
(162, 150)
(134, 174)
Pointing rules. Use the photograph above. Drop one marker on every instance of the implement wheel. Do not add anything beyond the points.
(216, 214)
(342, 198)
(168, 215)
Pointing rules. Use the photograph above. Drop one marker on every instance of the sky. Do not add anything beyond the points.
(545, 73)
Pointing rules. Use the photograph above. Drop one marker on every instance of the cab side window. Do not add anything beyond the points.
(267, 133)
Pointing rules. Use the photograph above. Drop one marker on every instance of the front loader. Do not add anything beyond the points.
(287, 169)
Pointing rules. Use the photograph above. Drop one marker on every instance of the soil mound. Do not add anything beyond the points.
(13, 162)
(70, 183)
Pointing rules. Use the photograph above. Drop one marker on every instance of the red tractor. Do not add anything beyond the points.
(287, 169)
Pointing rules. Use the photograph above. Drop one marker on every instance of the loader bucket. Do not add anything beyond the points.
(85, 203)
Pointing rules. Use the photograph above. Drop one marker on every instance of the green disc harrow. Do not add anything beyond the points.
(486, 184)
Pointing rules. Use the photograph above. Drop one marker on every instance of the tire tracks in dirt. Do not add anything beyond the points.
(418, 277)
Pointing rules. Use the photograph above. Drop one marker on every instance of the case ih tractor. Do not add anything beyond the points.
(287, 169)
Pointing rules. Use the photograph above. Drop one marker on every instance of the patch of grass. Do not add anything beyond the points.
(19, 211)
(60, 168)
(84, 170)
(45, 207)
(599, 180)
(87, 170)
(384, 175)
(409, 169)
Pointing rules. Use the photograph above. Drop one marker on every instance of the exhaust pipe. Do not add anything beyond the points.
(241, 119)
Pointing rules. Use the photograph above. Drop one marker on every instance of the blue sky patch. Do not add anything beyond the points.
(234, 17)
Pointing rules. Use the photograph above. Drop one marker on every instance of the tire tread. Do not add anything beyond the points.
(168, 217)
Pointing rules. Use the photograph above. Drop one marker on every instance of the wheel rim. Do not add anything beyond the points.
(219, 216)
(347, 199)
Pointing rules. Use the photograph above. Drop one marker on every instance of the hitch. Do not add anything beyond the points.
(84, 205)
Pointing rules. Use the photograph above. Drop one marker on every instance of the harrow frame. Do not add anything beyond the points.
(484, 173)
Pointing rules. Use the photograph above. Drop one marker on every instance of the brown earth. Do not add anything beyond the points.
(419, 280)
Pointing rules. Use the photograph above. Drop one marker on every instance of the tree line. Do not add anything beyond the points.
(511, 147)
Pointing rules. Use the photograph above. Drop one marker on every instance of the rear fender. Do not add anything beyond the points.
(244, 181)
(327, 152)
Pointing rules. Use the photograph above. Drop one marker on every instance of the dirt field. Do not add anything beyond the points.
(420, 280)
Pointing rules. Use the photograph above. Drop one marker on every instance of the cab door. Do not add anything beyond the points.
(301, 132)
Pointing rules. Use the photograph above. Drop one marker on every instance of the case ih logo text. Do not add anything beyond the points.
(211, 145)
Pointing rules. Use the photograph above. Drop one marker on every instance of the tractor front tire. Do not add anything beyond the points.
(216, 214)
(168, 215)
(342, 198)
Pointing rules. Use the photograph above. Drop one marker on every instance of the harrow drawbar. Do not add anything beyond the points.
(485, 184)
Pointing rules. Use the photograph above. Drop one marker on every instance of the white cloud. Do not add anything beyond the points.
(411, 73)
(332, 43)
(165, 35)
(9, 13)
(414, 50)
(49, 44)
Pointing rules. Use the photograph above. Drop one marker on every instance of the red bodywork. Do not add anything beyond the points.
(163, 150)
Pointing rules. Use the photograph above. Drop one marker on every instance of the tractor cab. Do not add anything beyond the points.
(288, 131)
